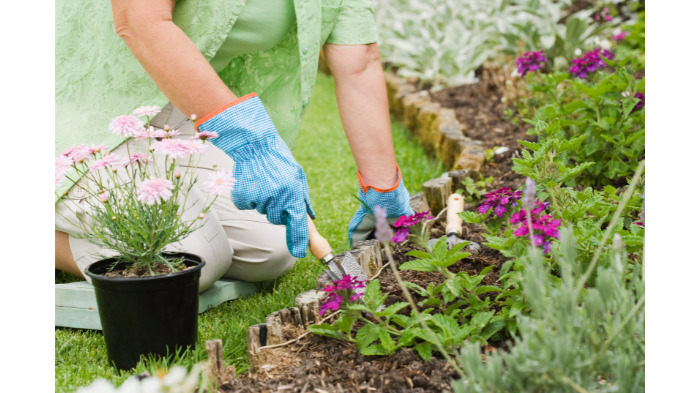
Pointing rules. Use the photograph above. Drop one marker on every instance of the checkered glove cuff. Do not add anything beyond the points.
(395, 201)
(268, 178)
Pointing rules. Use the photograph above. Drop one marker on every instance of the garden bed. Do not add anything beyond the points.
(322, 364)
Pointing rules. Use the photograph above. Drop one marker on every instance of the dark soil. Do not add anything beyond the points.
(320, 364)
(480, 108)
(142, 271)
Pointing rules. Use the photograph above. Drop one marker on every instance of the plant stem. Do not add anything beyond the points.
(626, 197)
(408, 296)
(574, 385)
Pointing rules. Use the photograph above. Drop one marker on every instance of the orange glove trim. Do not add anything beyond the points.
(366, 188)
(223, 108)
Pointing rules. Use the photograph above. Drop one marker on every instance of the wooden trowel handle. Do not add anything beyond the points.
(455, 204)
(319, 246)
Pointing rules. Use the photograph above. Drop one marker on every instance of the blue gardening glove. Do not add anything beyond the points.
(395, 200)
(268, 178)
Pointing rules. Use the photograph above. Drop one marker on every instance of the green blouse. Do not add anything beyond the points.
(97, 77)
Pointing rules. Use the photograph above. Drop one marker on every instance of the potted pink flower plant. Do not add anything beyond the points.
(136, 206)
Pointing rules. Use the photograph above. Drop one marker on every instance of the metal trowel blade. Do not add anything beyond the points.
(350, 266)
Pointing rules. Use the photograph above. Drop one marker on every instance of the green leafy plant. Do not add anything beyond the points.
(566, 342)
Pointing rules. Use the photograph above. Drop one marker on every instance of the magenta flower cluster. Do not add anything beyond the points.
(544, 226)
(343, 291)
(590, 62)
(499, 201)
(530, 61)
(640, 104)
(405, 222)
(605, 15)
(620, 36)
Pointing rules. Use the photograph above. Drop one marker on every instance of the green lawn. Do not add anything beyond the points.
(323, 152)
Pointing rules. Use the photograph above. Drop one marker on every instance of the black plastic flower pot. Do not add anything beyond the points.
(144, 316)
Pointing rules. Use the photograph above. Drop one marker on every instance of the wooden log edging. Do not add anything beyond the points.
(436, 128)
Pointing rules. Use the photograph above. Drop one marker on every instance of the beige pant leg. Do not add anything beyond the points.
(259, 248)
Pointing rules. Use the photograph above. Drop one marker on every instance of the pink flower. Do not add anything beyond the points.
(94, 149)
(177, 148)
(172, 133)
(140, 159)
(62, 165)
(126, 125)
(205, 135)
(108, 160)
(104, 197)
(219, 183)
(150, 132)
(146, 111)
(619, 36)
(77, 154)
(154, 190)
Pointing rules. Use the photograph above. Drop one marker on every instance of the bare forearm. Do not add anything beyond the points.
(364, 110)
(169, 56)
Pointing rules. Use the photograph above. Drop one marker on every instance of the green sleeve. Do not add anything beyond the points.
(354, 24)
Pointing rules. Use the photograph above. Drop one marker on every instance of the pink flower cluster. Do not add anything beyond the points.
(405, 222)
(544, 226)
(499, 201)
(75, 155)
(177, 148)
(530, 61)
(343, 291)
(126, 125)
(154, 190)
(589, 62)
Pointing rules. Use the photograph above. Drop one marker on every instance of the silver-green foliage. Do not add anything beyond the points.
(575, 338)
(445, 41)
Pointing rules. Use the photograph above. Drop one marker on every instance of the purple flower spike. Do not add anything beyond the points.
(530, 61)
(590, 62)
(383, 233)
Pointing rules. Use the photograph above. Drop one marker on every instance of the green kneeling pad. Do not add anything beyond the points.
(76, 306)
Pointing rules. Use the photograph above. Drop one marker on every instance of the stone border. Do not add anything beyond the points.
(436, 128)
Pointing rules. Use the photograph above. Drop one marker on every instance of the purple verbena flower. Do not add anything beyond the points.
(342, 292)
(530, 61)
(499, 201)
(544, 226)
(640, 104)
(405, 222)
(589, 62)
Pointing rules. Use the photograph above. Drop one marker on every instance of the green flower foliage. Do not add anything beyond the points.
(601, 118)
